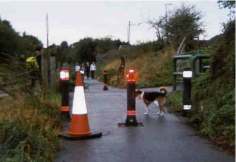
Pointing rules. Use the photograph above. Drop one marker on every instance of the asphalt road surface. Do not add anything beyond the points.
(161, 139)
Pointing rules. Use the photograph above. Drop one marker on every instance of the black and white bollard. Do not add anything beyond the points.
(131, 108)
(105, 80)
(64, 87)
(187, 103)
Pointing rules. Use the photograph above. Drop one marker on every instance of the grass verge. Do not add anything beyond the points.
(29, 128)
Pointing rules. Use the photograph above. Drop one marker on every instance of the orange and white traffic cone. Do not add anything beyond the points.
(79, 125)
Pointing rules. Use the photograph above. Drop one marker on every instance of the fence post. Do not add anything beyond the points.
(53, 72)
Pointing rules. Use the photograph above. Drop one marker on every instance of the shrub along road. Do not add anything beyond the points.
(166, 139)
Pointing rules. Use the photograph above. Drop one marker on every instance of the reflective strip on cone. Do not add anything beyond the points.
(79, 105)
(131, 112)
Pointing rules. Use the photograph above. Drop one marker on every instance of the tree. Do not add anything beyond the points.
(8, 38)
(28, 43)
(184, 22)
(229, 4)
(11, 43)
(85, 50)
(157, 25)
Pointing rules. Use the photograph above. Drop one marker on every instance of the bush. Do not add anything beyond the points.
(213, 92)
(28, 130)
(174, 99)
(154, 68)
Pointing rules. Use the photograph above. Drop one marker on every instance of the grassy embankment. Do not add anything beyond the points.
(29, 128)
(213, 94)
(29, 124)
(154, 68)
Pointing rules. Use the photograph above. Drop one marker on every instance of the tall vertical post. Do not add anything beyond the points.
(47, 30)
(44, 73)
(53, 72)
(47, 53)
(105, 80)
(131, 107)
(128, 33)
(64, 86)
(174, 75)
(187, 77)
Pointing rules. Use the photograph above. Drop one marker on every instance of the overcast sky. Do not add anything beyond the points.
(72, 21)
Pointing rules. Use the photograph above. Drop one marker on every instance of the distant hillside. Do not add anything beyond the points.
(153, 67)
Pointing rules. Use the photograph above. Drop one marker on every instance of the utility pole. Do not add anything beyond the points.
(129, 27)
(47, 30)
(128, 32)
(166, 9)
(48, 57)
(45, 63)
(166, 17)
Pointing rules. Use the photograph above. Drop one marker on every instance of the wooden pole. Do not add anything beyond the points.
(53, 72)
(45, 64)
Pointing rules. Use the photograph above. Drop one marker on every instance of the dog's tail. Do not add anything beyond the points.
(163, 91)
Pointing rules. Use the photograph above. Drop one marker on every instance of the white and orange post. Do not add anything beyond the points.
(79, 124)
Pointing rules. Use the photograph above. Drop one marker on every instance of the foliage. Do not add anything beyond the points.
(184, 22)
(174, 99)
(28, 129)
(214, 114)
(227, 3)
(158, 26)
(103, 45)
(153, 68)
(85, 50)
(15, 44)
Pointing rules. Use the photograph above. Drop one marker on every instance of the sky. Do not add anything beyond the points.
(74, 20)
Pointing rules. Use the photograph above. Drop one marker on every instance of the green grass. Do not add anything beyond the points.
(174, 99)
(153, 68)
(28, 129)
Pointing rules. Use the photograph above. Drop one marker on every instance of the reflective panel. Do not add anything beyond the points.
(187, 74)
(187, 107)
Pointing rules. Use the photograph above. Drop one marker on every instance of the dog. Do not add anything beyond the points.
(158, 98)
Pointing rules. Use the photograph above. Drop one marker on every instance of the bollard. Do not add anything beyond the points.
(187, 104)
(64, 86)
(131, 108)
(105, 88)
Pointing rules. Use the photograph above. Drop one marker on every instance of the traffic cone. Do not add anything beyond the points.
(79, 125)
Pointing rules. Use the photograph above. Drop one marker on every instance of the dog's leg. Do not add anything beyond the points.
(161, 102)
(146, 107)
(146, 111)
(158, 107)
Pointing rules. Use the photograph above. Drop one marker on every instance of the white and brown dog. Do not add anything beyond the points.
(158, 98)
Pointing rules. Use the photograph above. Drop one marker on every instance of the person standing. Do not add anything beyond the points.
(87, 70)
(33, 64)
(93, 69)
(77, 67)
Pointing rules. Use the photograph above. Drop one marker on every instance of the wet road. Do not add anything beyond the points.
(166, 139)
